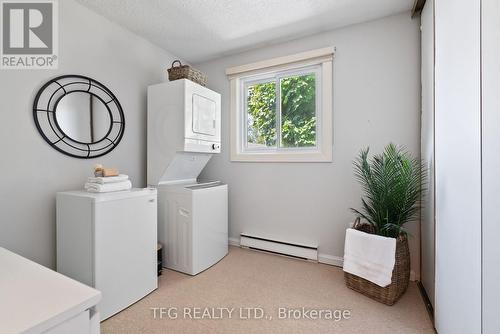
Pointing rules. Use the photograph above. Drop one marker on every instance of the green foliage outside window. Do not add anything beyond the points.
(298, 112)
(262, 114)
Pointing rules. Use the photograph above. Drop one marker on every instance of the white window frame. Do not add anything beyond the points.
(315, 61)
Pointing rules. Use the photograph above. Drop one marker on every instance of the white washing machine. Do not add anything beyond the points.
(193, 225)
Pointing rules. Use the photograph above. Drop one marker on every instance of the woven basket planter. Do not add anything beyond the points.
(186, 72)
(400, 274)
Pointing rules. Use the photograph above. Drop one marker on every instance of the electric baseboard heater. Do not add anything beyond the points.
(306, 252)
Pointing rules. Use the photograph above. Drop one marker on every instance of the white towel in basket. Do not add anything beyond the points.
(369, 256)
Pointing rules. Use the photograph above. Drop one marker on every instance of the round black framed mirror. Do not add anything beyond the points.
(78, 116)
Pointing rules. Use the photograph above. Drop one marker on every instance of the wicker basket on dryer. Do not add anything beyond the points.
(400, 275)
(179, 71)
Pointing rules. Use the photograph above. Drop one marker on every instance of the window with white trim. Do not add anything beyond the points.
(281, 109)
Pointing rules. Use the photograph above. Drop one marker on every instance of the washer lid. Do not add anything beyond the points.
(185, 166)
(205, 185)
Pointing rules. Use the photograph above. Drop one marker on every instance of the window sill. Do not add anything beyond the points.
(282, 157)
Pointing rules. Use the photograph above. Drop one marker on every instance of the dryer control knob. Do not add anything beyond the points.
(215, 146)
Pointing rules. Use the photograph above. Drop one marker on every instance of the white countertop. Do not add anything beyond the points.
(34, 298)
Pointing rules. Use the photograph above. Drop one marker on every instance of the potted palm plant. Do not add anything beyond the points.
(392, 183)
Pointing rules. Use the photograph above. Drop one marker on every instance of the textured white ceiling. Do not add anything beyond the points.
(199, 30)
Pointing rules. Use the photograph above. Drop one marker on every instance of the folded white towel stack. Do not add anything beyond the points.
(369, 256)
(108, 179)
(108, 184)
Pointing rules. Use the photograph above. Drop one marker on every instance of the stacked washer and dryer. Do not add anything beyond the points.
(184, 131)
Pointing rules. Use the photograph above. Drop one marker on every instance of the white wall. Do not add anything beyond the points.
(458, 166)
(31, 172)
(376, 101)
(491, 161)
(427, 226)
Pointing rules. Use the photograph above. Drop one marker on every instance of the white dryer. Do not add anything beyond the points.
(184, 122)
(183, 130)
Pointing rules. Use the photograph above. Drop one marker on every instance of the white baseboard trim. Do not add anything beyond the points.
(234, 242)
(331, 260)
(336, 261)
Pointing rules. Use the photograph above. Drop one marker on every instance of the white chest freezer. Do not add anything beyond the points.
(193, 225)
(108, 241)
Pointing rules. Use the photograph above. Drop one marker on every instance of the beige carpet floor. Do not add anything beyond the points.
(266, 283)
